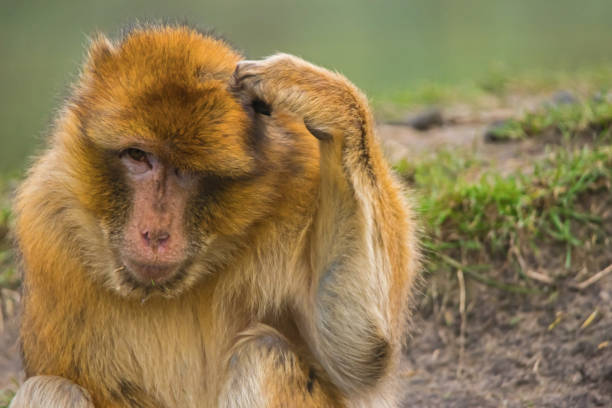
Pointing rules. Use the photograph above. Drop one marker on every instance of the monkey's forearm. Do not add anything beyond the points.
(357, 249)
(351, 257)
(51, 391)
(359, 224)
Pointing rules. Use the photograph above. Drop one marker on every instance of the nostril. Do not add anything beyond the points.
(162, 237)
(155, 238)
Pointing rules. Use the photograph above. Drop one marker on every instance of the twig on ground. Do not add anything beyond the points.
(588, 282)
(540, 277)
(558, 317)
(536, 365)
(589, 319)
(537, 276)
(462, 297)
(483, 279)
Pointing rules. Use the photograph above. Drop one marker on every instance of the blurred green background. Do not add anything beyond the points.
(383, 46)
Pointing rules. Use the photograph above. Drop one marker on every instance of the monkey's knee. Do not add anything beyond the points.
(50, 391)
(264, 371)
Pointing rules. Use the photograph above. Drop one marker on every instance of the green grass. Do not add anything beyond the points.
(474, 221)
(568, 119)
(477, 220)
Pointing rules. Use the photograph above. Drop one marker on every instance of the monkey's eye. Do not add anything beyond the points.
(136, 154)
(135, 160)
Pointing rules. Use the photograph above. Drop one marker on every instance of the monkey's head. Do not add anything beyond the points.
(164, 156)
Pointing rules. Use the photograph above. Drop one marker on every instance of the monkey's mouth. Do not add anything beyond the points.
(151, 273)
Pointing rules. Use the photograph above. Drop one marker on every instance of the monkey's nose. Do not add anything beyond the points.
(155, 239)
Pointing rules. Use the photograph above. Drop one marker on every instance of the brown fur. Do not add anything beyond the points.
(304, 250)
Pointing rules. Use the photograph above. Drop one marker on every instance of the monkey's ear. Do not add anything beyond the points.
(101, 49)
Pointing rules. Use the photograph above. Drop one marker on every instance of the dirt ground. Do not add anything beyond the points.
(519, 351)
(507, 350)
(548, 350)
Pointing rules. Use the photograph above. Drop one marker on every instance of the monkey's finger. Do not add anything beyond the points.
(247, 76)
(245, 69)
(248, 83)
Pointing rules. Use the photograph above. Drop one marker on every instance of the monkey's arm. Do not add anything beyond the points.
(362, 252)
(51, 391)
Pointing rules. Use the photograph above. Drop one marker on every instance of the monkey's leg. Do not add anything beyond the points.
(264, 371)
(362, 251)
(45, 391)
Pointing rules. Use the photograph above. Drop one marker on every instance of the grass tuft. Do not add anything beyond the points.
(473, 221)
(567, 119)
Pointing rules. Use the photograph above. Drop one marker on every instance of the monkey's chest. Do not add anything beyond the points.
(159, 358)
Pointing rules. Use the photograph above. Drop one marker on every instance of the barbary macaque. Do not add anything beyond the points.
(208, 231)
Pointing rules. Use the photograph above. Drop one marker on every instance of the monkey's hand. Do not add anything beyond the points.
(331, 107)
(50, 391)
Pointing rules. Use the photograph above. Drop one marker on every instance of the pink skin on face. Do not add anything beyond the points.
(155, 243)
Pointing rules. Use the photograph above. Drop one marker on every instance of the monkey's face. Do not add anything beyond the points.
(166, 158)
(153, 246)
